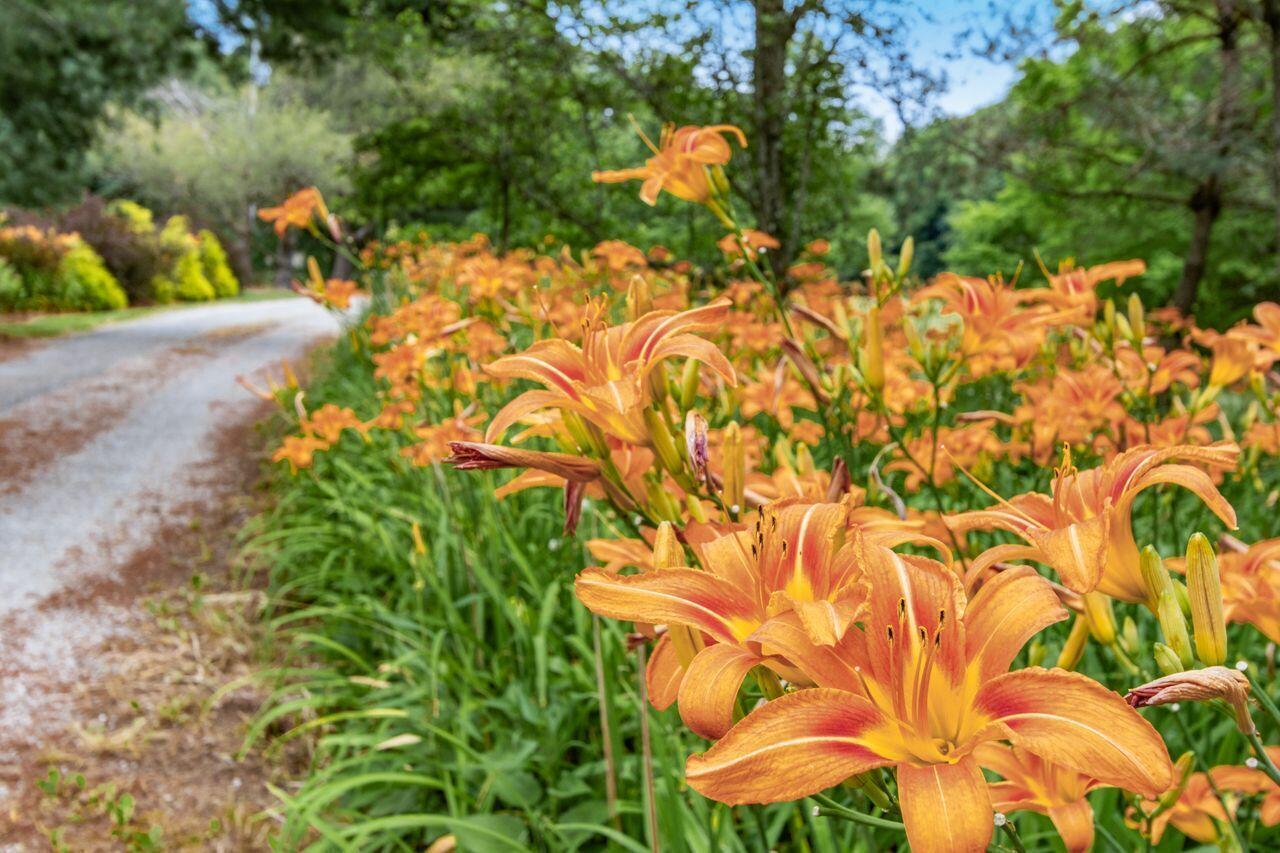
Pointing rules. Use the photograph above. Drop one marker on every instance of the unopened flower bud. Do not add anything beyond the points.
(1136, 319)
(734, 465)
(1198, 685)
(871, 359)
(905, 256)
(1173, 625)
(804, 461)
(1166, 658)
(874, 254)
(1073, 648)
(1109, 316)
(689, 381)
(664, 446)
(1182, 769)
(639, 298)
(1205, 593)
(1154, 575)
(1129, 636)
(1102, 622)
(668, 553)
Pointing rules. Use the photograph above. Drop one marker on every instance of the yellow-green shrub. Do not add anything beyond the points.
(140, 219)
(216, 269)
(189, 281)
(84, 283)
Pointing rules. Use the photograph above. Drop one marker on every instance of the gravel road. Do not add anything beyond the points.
(107, 440)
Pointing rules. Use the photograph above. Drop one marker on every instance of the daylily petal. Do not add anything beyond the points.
(1195, 481)
(683, 596)
(692, 346)
(554, 362)
(709, 691)
(1008, 610)
(526, 403)
(1072, 720)
(663, 674)
(1074, 822)
(825, 666)
(796, 745)
(1077, 552)
(945, 807)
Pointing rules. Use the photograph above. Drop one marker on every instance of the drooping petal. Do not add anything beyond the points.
(1074, 822)
(796, 745)
(555, 363)
(998, 554)
(699, 349)
(709, 691)
(826, 666)
(1072, 720)
(681, 596)
(1008, 610)
(945, 807)
(1077, 552)
(525, 404)
(663, 674)
(1195, 481)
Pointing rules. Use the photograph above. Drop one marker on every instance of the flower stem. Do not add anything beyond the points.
(1264, 761)
(830, 808)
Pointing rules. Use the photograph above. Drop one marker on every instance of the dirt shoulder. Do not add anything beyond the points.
(127, 698)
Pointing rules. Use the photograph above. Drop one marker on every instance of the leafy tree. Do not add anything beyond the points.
(219, 155)
(62, 63)
(1145, 140)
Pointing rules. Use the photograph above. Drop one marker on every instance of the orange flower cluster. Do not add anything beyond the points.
(844, 507)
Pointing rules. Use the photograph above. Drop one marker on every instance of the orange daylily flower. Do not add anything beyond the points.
(1030, 783)
(793, 559)
(1000, 331)
(1248, 780)
(1233, 358)
(754, 241)
(1196, 813)
(919, 684)
(606, 380)
(1075, 287)
(297, 211)
(299, 451)
(679, 163)
(1082, 529)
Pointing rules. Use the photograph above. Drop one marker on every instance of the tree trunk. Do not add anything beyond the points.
(1271, 16)
(1206, 201)
(284, 261)
(773, 30)
(1205, 205)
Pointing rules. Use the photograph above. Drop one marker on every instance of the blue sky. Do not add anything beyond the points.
(974, 82)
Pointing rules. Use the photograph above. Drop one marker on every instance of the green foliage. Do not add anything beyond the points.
(84, 283)
(188, 280)
(10, 284)
(218, 153)
(213, 259)
(62, 64)
(140, 219)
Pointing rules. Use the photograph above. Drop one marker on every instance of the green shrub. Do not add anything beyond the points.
(216, 269)
(84, 283)
(190, 283)
(140, 219)
(11, 286)
(132, 252)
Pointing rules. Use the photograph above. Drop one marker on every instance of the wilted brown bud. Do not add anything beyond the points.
(1198, 685)
(475, 455)
(695, 442)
